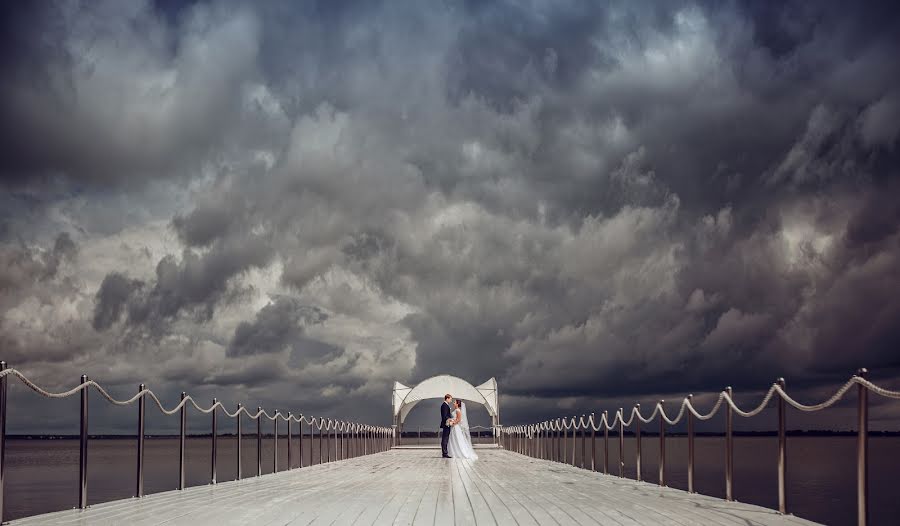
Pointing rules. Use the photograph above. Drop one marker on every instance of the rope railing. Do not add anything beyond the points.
(361, 439)
(548, 440)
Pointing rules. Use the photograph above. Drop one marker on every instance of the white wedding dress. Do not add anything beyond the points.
(460, 444)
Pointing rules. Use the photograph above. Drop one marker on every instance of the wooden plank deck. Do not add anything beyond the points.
(416, 486)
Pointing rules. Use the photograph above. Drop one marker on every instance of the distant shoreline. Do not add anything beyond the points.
(408, 435)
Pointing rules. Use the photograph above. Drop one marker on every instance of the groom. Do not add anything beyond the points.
(445, 429)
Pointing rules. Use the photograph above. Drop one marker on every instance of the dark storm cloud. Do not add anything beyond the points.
(115, 93)
(112, 298)
(588, 201)
(193, 285)
(278, 326)
(24, 266)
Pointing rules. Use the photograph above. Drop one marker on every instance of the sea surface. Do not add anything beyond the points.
(42, 475)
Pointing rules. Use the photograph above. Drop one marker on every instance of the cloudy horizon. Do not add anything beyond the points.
(295, 204)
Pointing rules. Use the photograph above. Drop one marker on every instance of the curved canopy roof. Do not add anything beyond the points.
(405, 398)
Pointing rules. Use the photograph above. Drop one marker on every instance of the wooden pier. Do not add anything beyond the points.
(416, 486)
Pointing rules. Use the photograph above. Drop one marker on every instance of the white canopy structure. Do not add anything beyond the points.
(405, 398)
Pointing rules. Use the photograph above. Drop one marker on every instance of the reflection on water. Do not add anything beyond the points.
(42, 475)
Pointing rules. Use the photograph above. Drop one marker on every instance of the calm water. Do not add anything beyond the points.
(43, 474)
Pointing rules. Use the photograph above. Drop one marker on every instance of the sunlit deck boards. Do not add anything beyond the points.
(416, 486)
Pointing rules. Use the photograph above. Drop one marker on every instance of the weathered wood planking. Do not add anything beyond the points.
(416, 486)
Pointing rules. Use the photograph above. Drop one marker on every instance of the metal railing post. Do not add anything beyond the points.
(583, 443)
(3, 384)
(300, 434)
(275, 444)
(139, 483)
(662, 446)
(290, 418)
(565, 451)
(83, 447)
(782, 453)
(240, 469)
(321, 430)
(545, 442)
(862, 454)
(621, 442)
(690, 426)
(328, 442)
(541, 441)
(574, 441)
(593, 445)
(258, 441)
(181, 437)
(559, 442)
(637, 438)
(215, 438)
(729, 449)
(606, 442)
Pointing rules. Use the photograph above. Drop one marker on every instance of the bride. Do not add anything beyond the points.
(460, 445)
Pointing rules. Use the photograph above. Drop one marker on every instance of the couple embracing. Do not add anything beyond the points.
(455, 439)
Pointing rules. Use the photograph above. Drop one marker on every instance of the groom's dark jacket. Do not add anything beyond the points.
(445, 414)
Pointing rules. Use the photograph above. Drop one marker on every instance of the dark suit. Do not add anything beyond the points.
(445, 429)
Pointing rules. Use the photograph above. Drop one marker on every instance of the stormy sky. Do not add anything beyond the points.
(294, 204)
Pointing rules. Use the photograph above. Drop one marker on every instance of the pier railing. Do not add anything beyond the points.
(548, 439)
(361, 439)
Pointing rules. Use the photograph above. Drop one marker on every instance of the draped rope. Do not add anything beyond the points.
(687, 405)
(332, 424)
